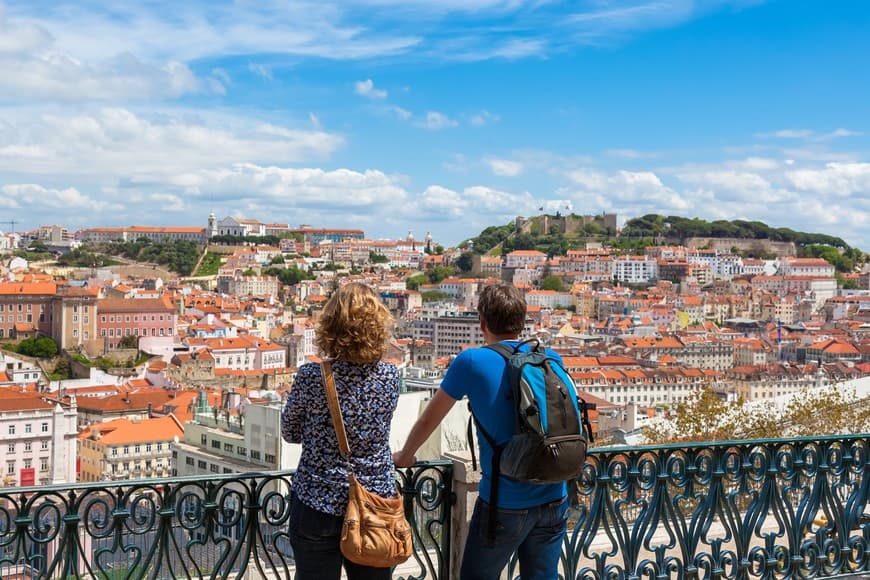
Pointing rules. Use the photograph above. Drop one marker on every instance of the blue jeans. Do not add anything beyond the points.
(315, 537)
(536, 534)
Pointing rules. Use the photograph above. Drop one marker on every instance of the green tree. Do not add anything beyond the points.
(129, 341)
(465, 262)
(434, 296)
(551, 282)
(376, 258)
(415, 281)
(38, 347)
(437, 273)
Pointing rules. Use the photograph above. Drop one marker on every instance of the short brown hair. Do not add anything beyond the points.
(502, 308)
(354, 325)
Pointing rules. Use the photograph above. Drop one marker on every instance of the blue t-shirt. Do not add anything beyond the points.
(481, 375)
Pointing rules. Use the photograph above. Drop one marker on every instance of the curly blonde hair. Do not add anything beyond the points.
(354, 325)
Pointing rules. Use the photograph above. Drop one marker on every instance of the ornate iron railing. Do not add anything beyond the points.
(783, 508)
(221, 526)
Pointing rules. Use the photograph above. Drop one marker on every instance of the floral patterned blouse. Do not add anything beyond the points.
(368, 394)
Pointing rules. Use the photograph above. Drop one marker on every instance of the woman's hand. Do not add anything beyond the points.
(402, 459)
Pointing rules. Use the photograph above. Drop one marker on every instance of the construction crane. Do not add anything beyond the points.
(11, 225)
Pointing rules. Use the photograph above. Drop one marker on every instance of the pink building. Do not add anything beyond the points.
(141, 317)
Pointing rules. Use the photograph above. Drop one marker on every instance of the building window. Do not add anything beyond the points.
(216, 444)
(44, 445)
(28, 446)
(270, 458)
(12, 429)
(189, 460)
(160, 447)
(44, 427)
(114, 451)
(148, 448)
(126, 450)
(203, 439)
(43, 465)
(10, 468)
(228, 447)
(75, 319)
(11, 448)
(103, 318)
(214, 468)
(227, 470)
(202, 464)
(28, 428)
(242, 451)
(137, 449)
(255, 455)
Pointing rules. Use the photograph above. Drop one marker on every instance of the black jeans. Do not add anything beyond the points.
(315, 537)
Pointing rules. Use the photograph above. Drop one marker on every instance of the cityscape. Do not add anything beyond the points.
(151, 373)
(678, 189)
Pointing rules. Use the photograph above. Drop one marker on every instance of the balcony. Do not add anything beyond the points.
(782, 508)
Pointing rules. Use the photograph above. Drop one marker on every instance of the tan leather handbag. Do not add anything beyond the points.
(375, 531)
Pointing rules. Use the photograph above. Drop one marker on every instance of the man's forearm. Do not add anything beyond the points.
(431, 417)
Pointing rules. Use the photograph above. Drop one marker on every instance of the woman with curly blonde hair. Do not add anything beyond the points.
(352, 333)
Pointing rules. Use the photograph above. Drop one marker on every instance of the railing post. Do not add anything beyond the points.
(465, 484)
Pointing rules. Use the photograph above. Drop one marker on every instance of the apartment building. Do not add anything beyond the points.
(26, 308)
(128, 449)
(239, 437)
(140, 317)
(133, 233)
(74, 320)
(635, 269)
(648, 387)
(37, 436)
(524, 258)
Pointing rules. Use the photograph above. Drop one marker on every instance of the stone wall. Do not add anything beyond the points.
(781, 249)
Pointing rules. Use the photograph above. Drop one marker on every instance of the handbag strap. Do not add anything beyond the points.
(334, 408)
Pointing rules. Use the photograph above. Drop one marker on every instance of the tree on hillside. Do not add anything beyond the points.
(464, 262)
(704, 416)
(551, 282)
(415, 281)
(38, 347)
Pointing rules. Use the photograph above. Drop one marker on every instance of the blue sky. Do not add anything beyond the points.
(444, 116)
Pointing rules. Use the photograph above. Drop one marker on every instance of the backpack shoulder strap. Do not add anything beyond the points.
(502, 349)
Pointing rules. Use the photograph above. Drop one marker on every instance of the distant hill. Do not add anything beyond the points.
(555, 235)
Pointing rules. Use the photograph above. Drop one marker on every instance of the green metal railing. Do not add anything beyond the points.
(221, 526)
(773, 508)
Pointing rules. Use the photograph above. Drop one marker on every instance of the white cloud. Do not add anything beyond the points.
(401, 114)
(484, 118)
(436, 121)
(261, 70)
(840, 179)
(786, 134)
(121, 143)
(478, 204)
(504, 167)
(367, 89)
(632, 154)
(809, 135)
(29, 195)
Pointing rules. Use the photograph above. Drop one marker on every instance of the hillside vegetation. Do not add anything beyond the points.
(652, 229)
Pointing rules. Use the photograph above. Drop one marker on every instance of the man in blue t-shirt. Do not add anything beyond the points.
(530, 518)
